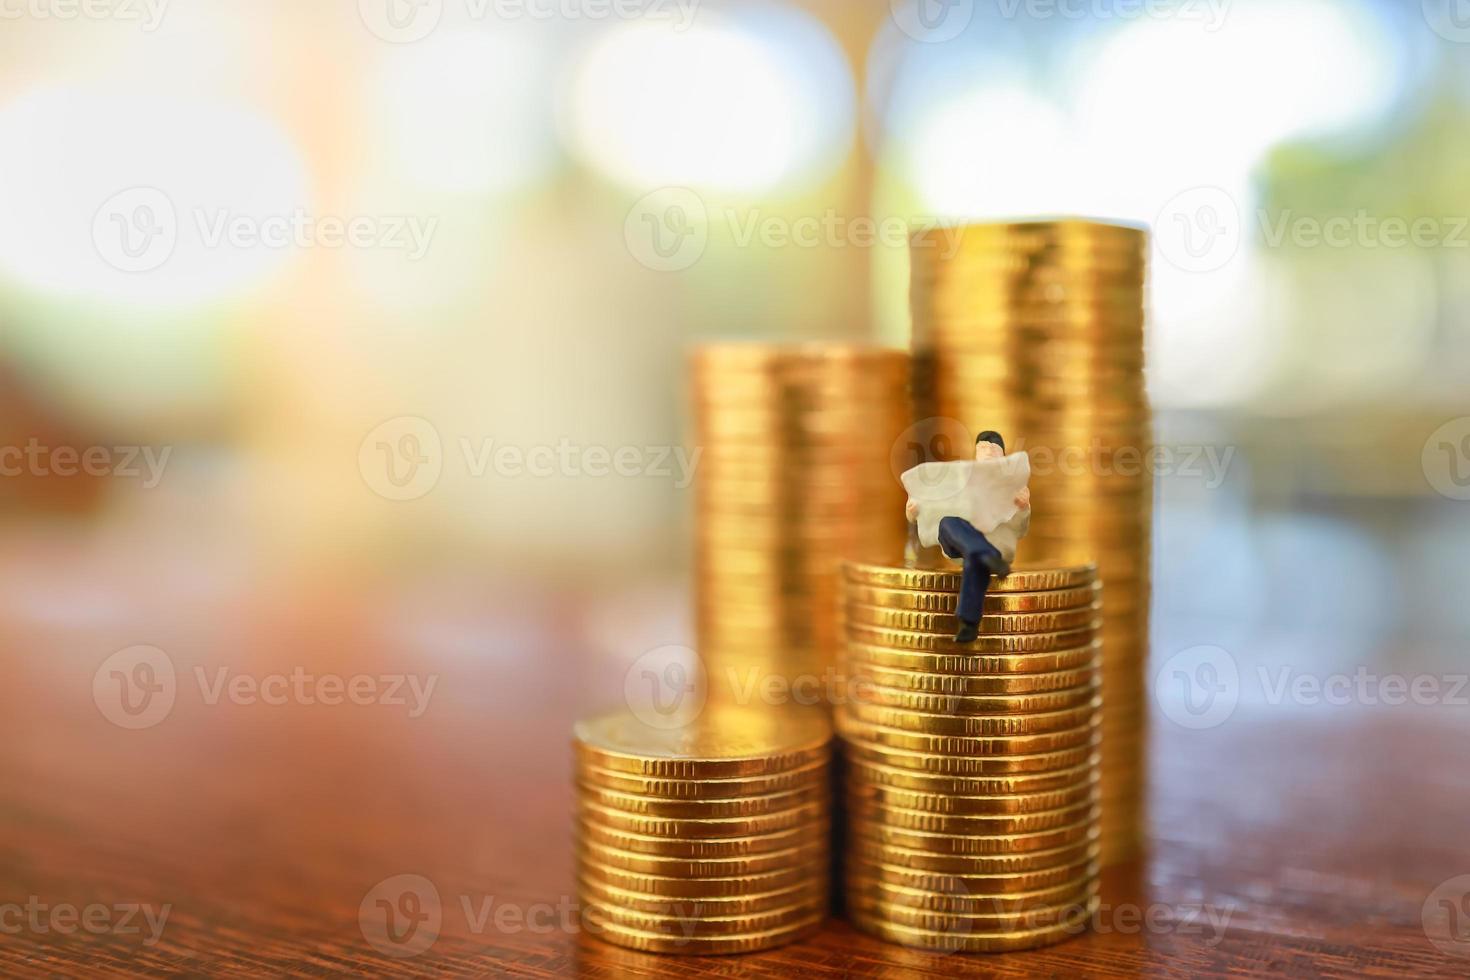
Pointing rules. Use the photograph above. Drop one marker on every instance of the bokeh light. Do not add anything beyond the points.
(89, 174)
(746, 103)
(1316, 69)
(468, 112)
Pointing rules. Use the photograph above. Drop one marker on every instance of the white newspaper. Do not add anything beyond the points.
(983, 493)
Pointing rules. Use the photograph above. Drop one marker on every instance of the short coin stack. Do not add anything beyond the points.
(709, 837)
(793, 479)
(1037, 330)
(971, 771)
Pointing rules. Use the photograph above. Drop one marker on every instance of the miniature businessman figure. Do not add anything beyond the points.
(991, 492)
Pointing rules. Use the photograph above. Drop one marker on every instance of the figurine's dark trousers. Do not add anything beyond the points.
(959, 539)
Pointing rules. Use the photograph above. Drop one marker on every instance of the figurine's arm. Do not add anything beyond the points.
(911, 510)
(1023, 499)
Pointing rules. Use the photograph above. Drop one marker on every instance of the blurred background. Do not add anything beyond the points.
(390, 298)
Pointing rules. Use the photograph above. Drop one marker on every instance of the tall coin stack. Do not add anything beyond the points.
(1036, 330)
(971, 770)
(794, 478)
(708, 837)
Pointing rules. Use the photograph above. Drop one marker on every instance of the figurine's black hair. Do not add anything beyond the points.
(993, 437)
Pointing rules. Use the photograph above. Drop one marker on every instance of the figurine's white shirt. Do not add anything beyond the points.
(982, 492)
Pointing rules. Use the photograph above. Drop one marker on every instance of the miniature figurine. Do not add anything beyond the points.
(976, 512)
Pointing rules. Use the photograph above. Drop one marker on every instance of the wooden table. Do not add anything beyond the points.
(264, 828)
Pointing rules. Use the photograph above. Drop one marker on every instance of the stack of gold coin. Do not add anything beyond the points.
(1036, 330)
(971, 770)
(704, 836)
(793, 478)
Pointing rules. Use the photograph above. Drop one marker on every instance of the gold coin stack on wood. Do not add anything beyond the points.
(793, 479)
(709, 837)
(971, 771)
(1036, 330)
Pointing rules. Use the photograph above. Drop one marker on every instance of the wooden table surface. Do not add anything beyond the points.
(264, 828)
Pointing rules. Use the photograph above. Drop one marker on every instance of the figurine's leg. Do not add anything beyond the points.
(960, 539)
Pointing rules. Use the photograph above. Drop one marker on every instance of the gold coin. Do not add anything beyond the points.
(665, 886)
(726, 867)
(1106, 298)
(1110, 407)
(863, 656)
(1117, 400)
(692, 848)
(973, 725)
(987, 846)
(1020, 918)
(797, 553)
(946, 335)
(800, 393)
(1000, 284)
(946, 578)
(728, 509)
(786, 355)
(687, 927)
(701, 908)
(1014, 883)
(778, 425)
(1102, 529)
(1077, 429)
(978, 704)
(974, 942)
(705, 829)
(721, 519)
(801, 386)
(795, 476)
(880, 774)
(964, 826)
(1047, 236)
(900, 640)
(721, 743)
(1103, 309)
(949, 361)
(786, 404)
(958, 336)
(704, 789)
(910, 741)
(973, 684)
(827, 435)
(789, 402)
(973, 864)
(1083, 790)
(945, 623)
(1076, 497)
(961, 765)
(757, 564)
(951, 346)
(652, 942)
(858, 882)
(1004, 275)
(1003, 602)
